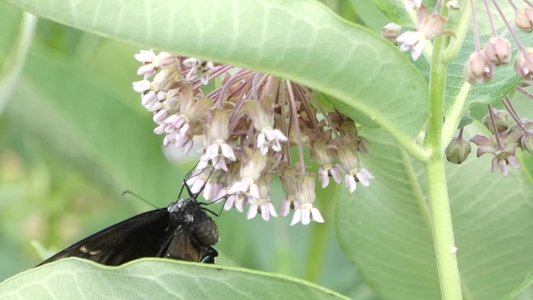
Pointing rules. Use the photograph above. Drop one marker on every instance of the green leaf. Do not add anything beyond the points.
(298, 40)
(155, 279)
(383, 230)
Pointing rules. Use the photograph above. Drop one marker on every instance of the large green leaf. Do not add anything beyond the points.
(383, 230)
(155, 279)
(297, 39)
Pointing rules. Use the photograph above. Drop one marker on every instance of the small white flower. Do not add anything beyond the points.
(261, 205)
(145, 56)
(262, 116)
(245, 186)
(354, 173)
(197, 180)
(305, 214)
(236, 200)
(305, 211)
(265, 207)
(325, 171)
(427, 27)
(362, 176)
(141, 86)
(148, 99)
(270, 138)
(249, 173)
(152, 62)
(287, 204)
(198, 69)
(214, 191)
(414, 41)
(218, 151)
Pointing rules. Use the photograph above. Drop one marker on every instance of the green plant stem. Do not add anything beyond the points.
(454, 114)
(443, 238)
(459, 32)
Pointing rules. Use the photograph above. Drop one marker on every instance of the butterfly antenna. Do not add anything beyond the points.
(138, 197)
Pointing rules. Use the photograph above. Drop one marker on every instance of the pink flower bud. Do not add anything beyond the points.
(523, 64)
(501, 119)
(524, 19)
(478, 68)
(498, 51)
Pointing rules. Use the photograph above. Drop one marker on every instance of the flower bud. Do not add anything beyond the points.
(527, 142)
(431, 26)
(524, 19)
(501, 119)
(391, 31)
(523, 64)
(458, 150)
(513, 135)
(498, 51)
(478, 68)
(522, 136)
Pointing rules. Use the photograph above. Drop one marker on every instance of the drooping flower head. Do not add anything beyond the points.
(254, 127)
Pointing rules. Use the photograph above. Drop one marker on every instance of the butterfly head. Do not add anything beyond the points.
(189, 213)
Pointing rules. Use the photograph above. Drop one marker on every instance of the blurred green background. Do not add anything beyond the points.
(74, 136)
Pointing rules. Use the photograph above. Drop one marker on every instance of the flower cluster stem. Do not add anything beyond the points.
(443, 237)
(460, 31)
(454, 114)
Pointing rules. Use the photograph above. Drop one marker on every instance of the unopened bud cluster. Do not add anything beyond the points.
(509, 133)
(497, 51)
(254, 127)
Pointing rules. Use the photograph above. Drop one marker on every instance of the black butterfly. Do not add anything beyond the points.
(181, 231)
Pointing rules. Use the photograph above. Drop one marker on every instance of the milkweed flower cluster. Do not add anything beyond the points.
(509, 133)
(481, 64)
(497, 50)
(254, 127)
(506, 137)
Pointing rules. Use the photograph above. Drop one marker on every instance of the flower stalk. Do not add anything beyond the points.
(443, 237)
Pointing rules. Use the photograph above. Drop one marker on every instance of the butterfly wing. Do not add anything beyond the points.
(183, 247)
(145, 235)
